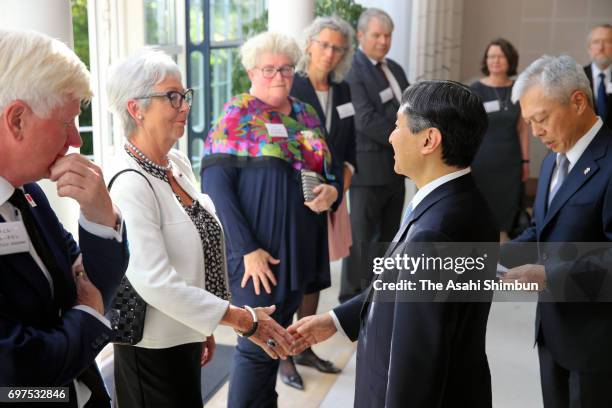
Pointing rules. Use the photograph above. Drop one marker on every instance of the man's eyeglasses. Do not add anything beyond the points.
(175, 97)
(327, 46)
(269, 71)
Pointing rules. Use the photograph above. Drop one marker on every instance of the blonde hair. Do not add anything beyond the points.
(41, 71)
(268, 42)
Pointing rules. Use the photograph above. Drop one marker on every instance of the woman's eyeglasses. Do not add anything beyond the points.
(175, 97)
(327, 46)
(269, 71)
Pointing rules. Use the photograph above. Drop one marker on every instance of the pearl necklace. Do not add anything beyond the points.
(147, 160)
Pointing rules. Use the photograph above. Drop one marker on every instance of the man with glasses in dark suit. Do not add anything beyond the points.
(599, 71)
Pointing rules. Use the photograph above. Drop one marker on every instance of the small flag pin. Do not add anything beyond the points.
(586, 171)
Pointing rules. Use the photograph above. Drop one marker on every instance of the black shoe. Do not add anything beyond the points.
(293, 379)
(310, 359)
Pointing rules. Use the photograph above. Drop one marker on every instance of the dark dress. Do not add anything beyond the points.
(497, 167)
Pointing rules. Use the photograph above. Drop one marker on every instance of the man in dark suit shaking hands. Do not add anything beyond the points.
(377, 192)
(424, 353)
(573, 205)
(599, 71)
(52, 292)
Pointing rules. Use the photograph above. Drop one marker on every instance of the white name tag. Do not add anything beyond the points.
(492, 106)
(13, 238)
(277, 130)
(609, 88)
(386, 95)
(345, 110)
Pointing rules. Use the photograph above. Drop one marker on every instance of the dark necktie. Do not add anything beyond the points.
(379, 65)
(601, 96)
(40, 245)
(563, 165)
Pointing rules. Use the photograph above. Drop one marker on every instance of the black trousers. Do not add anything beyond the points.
(562, 388)
(376, 213)
(164, 378)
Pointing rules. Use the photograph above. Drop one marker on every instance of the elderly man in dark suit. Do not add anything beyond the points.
(413, 351)
(52, 293)
(573, 205)
(599, 71)
(377, 192)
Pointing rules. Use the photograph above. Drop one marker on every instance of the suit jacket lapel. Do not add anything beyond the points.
(540, 204)
(582, 171)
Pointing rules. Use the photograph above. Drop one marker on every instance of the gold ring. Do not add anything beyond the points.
(79, 274)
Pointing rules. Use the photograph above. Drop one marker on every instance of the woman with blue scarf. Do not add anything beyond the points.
(276, 240)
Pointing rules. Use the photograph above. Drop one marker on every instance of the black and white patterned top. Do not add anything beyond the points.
(210, 234)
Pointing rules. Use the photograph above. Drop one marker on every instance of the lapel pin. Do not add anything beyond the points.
(30, 200)
(586, 171)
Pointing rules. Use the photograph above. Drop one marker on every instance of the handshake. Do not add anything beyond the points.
(281, 343)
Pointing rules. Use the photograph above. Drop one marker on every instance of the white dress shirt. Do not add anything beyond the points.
(397, 91)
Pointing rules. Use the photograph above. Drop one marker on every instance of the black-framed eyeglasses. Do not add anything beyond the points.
(269, 71)
(175, 97)
(327, 46)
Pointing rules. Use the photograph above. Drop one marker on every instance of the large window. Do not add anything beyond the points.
(215, 31)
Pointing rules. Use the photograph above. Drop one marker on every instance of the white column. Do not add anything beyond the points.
(54, 18)
(290, 17)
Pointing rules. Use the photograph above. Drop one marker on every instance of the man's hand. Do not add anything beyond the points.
(256, 267)
(528, 273)
(268, 329)
(80, 179)
(326, 196)
(87, 293)
(311, 330)
(208, 350)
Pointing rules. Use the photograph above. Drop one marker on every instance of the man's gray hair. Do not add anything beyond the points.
(41, 71)
(268, 42)
(558, 77)
(368, 14)
(136, 76)
(333, 23)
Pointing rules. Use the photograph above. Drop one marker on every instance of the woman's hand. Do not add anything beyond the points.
(326, 196)
(208, 350)
(256, 267)
(269, 329)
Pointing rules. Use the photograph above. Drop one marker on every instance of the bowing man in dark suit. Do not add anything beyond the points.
(422, 353)
(599, 71)
(377, 192)
(573, 205)
(53, 291)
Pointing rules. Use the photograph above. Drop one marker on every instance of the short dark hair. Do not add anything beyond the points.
(452, 108)
(508, 50)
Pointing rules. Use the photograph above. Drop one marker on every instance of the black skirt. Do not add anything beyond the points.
(164, 378)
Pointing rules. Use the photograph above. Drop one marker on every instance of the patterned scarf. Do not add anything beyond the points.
(241, 136)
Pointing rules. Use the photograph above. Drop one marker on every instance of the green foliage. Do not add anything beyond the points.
(345, 9)
(81, 48)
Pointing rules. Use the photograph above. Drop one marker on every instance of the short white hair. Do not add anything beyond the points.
(41, 71)
(136, 76)
(558, 77)
(268, 42)
(335, 24)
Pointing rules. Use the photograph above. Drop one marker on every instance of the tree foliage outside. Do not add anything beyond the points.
(81, 48)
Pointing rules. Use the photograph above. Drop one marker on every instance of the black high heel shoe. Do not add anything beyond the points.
(289, 374)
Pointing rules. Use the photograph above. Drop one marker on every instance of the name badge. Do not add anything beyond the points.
(13, 238)
(609, 88)
(492, 106)
(386, 95)
(277, 130)
(345, 110)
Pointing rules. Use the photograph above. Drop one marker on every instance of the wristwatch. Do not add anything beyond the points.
(253, 328)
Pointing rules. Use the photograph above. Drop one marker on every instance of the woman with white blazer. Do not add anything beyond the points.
(177, 251)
